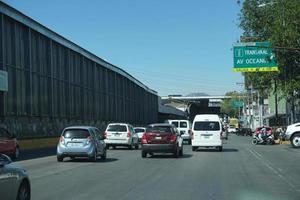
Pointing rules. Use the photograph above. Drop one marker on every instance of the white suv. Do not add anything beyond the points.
(119, 134)
(293, 134)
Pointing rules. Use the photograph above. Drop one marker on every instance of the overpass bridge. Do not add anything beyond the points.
(194, 105)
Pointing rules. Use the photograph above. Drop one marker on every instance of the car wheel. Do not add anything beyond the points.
(136, 146)
(176, 153)
(130, 146)
(295, 140)
(94, 157)
(181, 152)
(194, 148)
(103, 157)
(16, 153)
(220, 148)
(144, 154)
(60, 158)
(24, 191)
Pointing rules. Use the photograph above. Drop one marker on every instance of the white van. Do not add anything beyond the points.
(184, 127)
(207, 132)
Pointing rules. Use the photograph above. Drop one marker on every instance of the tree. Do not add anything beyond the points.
(278, 22)
(227, 104)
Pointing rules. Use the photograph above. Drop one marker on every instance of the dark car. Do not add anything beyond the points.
(162, 138)
(9, 144)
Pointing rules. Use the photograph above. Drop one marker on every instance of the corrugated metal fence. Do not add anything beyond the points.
(51, 85)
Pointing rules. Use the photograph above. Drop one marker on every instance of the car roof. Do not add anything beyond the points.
(119, 124)
(209, 117)
(80, 127)
(162, 124)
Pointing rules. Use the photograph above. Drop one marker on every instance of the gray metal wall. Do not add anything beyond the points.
(52, 86)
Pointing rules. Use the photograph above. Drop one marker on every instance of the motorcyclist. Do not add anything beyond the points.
(262, 133)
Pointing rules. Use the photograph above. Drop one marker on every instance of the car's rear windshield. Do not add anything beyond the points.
(159, 129)
(175, 124)
(139, 130)
(267, 128)
(183, 124)
(117, 128)
(76, 133)
(207, 126)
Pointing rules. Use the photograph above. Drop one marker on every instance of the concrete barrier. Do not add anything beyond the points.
(38, 143)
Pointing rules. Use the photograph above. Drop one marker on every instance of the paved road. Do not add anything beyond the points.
(241, 172)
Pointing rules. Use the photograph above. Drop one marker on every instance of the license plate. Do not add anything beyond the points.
(206, 137)
(75, 144)
(158, 138)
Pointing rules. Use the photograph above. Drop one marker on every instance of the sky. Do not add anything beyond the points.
(172, 46)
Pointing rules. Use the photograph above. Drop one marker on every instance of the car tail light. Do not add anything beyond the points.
(173, 138)
(105, 135)
(89, 140)
(144, 139)
(269, 132)
(62, 140)
(128, 134)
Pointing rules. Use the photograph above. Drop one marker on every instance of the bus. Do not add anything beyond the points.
(234, 122)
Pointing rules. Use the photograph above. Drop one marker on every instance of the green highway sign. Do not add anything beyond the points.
(254, 57)
(237, 104)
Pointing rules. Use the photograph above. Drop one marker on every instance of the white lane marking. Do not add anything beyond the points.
(277, 172)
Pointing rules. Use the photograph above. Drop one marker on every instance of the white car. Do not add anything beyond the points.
(231, 129)
(140, 132)
(293, 134)
(207, 132)
(184, 127)
(121, 134)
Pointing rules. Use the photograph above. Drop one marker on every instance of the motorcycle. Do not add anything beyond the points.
(267, 139)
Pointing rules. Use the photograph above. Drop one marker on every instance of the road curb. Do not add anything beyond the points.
(39, 143)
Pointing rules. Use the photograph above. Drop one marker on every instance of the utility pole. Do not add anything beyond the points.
(276, 102)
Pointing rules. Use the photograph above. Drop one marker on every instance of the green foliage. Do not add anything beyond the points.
(227, 104)
(277, 21)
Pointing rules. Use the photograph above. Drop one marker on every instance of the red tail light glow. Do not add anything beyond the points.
(105, 135)
(128, 134)
(62, 139)
(173, 138)
(89, 140)
(144, 139)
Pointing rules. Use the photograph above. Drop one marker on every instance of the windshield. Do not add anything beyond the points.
(183, 124)
(207, 126)
(76, 133)
(139, 130)
(159, 129)
(117, 128)
(175, 124)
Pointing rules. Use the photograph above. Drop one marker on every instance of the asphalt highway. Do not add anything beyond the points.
(241, 172)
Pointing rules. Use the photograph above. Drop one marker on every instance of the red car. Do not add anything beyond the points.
(162, 138)
(9, 144)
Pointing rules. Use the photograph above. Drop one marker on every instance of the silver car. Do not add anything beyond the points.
(14, 181)
(81, 141)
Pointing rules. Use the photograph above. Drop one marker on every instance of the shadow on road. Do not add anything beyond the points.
(164, 156)
(107, 160)
(216, 150)
(36, 153)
